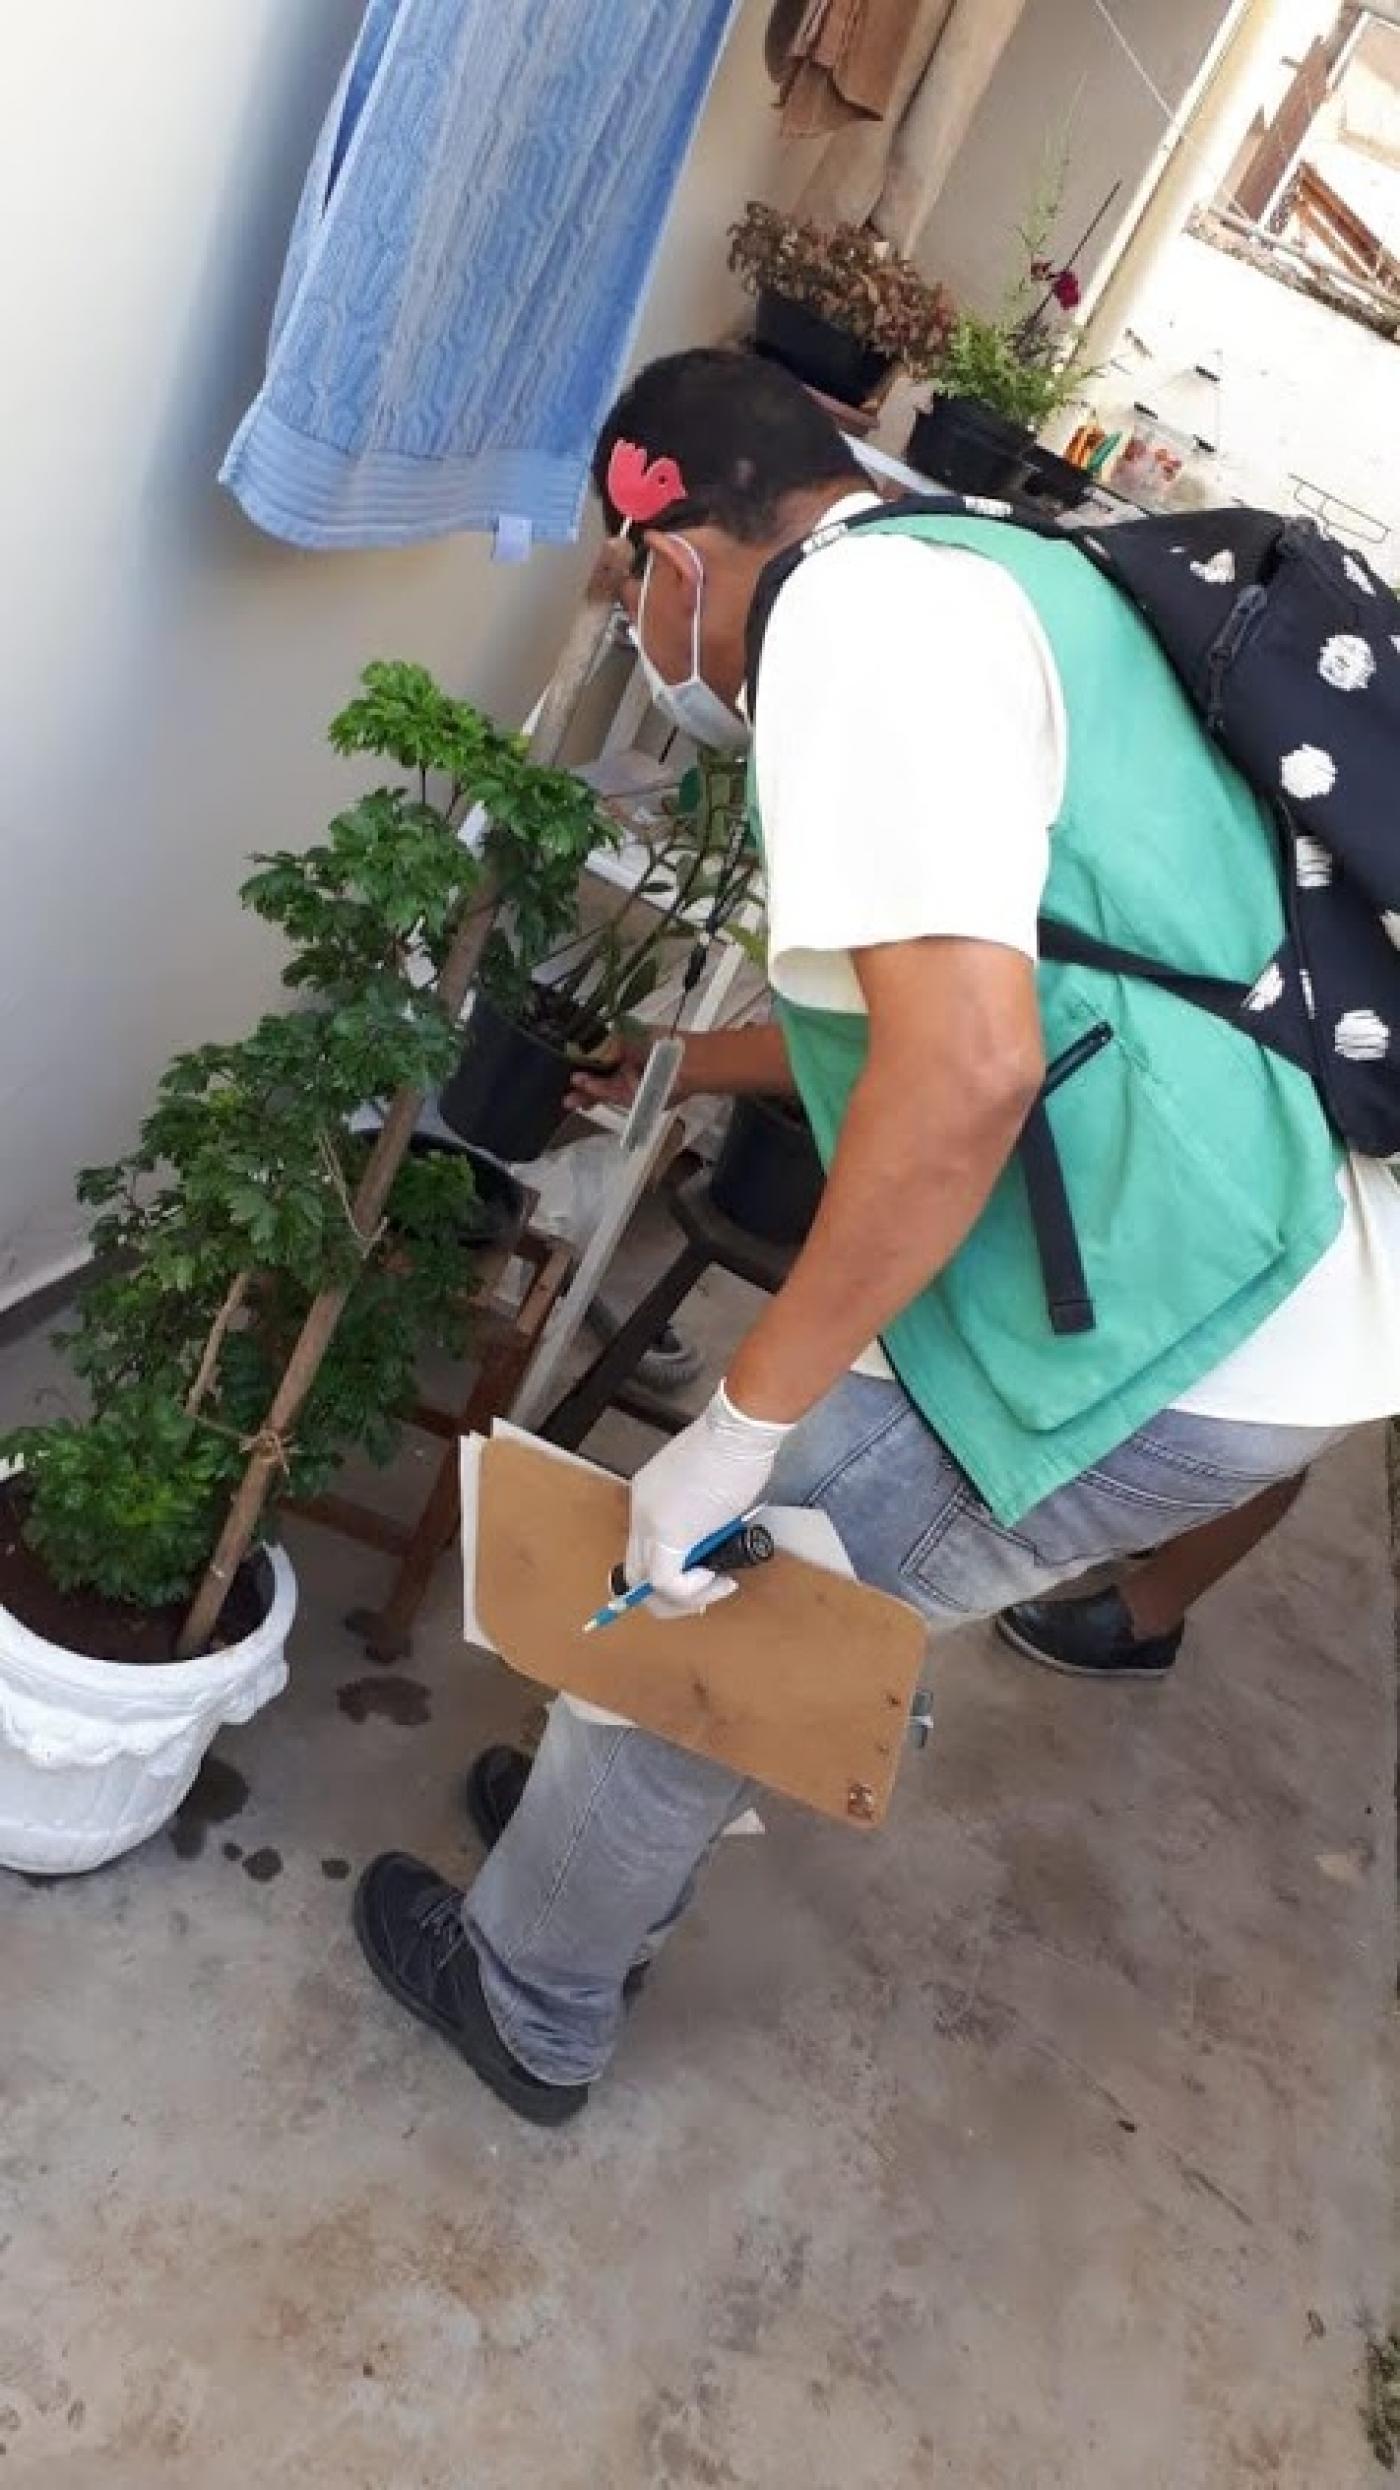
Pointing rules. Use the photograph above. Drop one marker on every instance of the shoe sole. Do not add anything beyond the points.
(538, 2113)
(1151, 1675)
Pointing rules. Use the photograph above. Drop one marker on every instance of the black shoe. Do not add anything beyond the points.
(1088, 1637)
(493, 1790)
(409, 1923)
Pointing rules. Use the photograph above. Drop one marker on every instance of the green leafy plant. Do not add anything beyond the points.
(238, 1211)
(1022, 362)
(849, 276)
(699, 872)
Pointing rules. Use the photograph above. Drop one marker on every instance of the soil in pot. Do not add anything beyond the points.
(110, 1629)
(507, 1093)
(815, 350)
(768, 1176)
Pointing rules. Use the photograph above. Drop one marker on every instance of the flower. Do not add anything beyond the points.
(1067, 290)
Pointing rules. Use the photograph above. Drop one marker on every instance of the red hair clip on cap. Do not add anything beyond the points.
(641, 489)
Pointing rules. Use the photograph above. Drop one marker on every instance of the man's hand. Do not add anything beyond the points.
(714, 1473)
(616, 1079)
(717, 1063)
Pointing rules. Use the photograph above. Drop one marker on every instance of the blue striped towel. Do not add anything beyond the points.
(467, 266)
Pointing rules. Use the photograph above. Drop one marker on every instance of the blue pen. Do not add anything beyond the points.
(641, 1591)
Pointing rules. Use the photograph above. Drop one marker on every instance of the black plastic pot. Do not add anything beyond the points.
(967, 445)
(507, 1093)
(498, 1213)
(826, 357)
(768, 1177)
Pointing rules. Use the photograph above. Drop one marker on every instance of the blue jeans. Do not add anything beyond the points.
(607, 1845)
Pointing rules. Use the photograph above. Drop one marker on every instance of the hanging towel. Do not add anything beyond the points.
(467, 267)
(836, 61)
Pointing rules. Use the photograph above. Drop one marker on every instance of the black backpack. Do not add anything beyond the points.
(1288, 645)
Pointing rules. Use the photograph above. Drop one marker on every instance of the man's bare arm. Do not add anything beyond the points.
(720, 1063)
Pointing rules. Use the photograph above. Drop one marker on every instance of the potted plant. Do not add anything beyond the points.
(1000, 380)
(836, 304)
(268, 1280)
(768, 1175)
(538, 1010)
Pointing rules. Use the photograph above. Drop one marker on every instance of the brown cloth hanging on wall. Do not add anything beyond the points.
(837, 61)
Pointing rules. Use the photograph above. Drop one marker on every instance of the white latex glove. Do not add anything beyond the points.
(712, 1474)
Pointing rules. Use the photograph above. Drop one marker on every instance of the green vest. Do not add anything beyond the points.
(1200, 1169)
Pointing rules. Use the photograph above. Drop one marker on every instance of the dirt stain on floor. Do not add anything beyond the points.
(399, 1699)
(218, 1793)
(263, 1865)
(336, 1870)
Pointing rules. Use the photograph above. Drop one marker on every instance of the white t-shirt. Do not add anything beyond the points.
(911, 763)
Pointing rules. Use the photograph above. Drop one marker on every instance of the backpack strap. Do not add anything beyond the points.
(1064, 944)
(775, 576)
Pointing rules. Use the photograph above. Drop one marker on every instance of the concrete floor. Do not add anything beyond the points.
(1046, 2139)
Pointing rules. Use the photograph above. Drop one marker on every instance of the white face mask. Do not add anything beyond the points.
(692, 706)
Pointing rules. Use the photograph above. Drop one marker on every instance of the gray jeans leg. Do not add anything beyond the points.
(615, 1826)
(596, 1864)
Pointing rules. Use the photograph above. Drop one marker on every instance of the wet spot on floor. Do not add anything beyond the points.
(233, 1850)
(263, 1865)
(399, 1699)
(336, 1869)
(218, 1793)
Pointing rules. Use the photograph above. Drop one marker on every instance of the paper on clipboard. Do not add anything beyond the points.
(798, 1529)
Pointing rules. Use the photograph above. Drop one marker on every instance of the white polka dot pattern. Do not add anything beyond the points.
(1347, 662)
(1308, 772)
(1313, 862)
(1362, 1037)
(1263, 996)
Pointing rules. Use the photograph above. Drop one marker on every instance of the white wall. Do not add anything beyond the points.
(167, 672)
(1064, 79)
(1306, 392)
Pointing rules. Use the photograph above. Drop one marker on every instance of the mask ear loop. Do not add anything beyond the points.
(641, 489)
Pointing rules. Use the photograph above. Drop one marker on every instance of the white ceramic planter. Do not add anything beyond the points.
(96, 1755)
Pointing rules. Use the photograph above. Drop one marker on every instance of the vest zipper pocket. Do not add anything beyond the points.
(1075, 1058)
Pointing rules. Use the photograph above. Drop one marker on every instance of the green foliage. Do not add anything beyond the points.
(986, 359)
(848, 275)
(1023, 362)
(701, 870)
(235, 1209)
(129, 1502)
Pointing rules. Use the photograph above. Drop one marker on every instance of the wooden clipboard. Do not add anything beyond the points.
(802, 1681)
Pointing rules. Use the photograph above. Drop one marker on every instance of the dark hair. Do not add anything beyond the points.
(743, 432)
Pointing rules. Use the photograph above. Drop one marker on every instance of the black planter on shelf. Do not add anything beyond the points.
(497, 1216)
(507, 1093)
(768, 1177)
(967, 445)
(826, 357)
